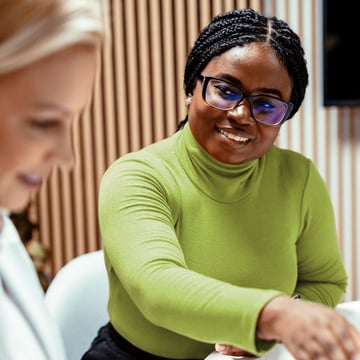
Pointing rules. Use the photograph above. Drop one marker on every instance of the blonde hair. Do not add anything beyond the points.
(33, 29)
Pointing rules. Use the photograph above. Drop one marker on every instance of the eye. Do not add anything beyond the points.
(264, 103)
(226, 93)
(45, 124)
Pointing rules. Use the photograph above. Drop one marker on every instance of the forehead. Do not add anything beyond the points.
(64, 77)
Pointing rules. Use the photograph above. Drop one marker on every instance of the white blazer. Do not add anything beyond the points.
(26, 328)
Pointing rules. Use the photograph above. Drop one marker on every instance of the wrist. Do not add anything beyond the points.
(270, 316)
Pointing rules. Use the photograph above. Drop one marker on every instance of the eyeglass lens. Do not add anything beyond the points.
(225, 96)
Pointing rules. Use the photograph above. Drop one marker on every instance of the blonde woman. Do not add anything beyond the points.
(49, 56)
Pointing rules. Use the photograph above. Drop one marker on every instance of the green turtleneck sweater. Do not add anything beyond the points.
(195, 248)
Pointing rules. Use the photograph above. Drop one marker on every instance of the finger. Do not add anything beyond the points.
(349, 340)
(230, 350)
(298, 353)
(336, 343)
(224, 349)
(356, 336)
(307, 346)
(314, 349)
(327, 344)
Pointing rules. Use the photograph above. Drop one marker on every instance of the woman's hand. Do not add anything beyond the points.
(231, 350)
(308, 330)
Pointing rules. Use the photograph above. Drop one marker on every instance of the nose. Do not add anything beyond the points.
(242, 113)
(66, 153)
(63, 151)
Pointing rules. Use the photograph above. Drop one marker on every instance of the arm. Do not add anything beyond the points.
(321, 273)
(305, 328)
(309, 330)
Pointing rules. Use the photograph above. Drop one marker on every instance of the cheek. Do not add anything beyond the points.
(10, 164)
(202, 122)
(17, 153)
(201, 114)
(269, 133)
(266, 140)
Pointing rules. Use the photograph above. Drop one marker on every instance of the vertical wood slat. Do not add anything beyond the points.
(156, 65)
(105, 99)
(67, 217)
(180, 51)
(133, 72)
(143, 100)
(170, 83)
(55, 217)
(139, 99)
(120, 69)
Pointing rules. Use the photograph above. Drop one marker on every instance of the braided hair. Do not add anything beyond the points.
(239, 28)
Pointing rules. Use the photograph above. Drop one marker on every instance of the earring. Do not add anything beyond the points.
(188, 100)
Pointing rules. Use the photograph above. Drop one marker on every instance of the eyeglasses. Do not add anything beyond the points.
(223, 95)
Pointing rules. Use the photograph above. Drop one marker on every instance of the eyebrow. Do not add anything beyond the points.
(236, 82)
(51, 107)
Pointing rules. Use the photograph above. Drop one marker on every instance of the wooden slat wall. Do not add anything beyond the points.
(139, 99)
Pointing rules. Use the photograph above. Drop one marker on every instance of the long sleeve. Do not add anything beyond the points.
(322, 277)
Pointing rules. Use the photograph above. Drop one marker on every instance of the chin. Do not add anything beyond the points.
(15, 204)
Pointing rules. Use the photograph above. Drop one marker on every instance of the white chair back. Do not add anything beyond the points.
(77, 298)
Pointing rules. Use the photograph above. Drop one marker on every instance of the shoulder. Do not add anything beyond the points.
(295, 170)
(151, 156)
(290, 160)
(287, 155)
(152, 167)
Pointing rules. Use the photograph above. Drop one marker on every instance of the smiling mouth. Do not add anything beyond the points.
(234, 137)
(32, 180)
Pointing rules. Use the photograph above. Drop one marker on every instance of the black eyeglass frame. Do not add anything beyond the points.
(206, 79)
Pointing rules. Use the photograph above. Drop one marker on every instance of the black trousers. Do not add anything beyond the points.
(110, 345)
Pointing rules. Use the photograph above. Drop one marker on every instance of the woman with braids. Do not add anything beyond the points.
(49, 58)
(209, 234)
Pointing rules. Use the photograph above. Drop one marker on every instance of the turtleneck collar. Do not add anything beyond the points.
(222, 182)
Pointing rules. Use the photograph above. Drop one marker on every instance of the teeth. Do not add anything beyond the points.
(234, 137)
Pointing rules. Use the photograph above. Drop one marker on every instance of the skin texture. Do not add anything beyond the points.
(254, 68)
(327, 335)
(38, 106)
(309, 330)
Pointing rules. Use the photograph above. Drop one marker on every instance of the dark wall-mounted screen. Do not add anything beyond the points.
(341, 58)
